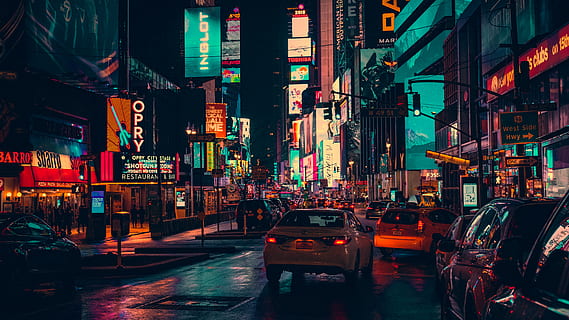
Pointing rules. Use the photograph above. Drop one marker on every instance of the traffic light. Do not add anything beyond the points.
(337, 111)
(82, 171)
(328, 112)
(416, 104)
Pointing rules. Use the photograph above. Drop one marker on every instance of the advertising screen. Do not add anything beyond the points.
(180, 198)
(230, 75)
(143, 168)
(119, 125)
(215, 119)
(299, 47)
(300, 26)
(295, 98)
(98, 201)
(202, 42)
(231, 52)
(377, 70)
(299, 72)
(75, 42)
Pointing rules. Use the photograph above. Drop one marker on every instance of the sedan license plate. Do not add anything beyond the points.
(397, 232)
(304, 244)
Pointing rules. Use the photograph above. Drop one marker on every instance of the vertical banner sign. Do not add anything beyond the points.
(119, 125)
(202, 42)
(215, 119)
(210, 154)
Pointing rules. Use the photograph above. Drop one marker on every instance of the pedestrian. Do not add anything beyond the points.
(67, 220)
(134, 216)
(141, 214)
(82, 221)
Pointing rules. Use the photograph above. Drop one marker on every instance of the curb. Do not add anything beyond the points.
(170, 261)
(185, 249)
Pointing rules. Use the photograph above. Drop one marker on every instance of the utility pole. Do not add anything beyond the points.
(520, 148)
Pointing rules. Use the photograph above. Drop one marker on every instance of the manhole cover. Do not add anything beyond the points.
(202, 303)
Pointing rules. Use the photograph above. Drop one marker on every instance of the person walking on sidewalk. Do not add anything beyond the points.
(134, 216)
(140, 212)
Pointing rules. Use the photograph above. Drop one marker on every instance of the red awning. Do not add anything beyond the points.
(35, 177)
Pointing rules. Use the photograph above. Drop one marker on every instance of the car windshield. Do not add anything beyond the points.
(313, 219)
(400, 217)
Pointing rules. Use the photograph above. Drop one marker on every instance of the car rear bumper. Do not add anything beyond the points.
(398, 242)
(332, 261)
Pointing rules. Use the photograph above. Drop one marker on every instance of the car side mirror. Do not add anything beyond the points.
(368, 229)
(446, 245)
(437, 236)
(507, 272)
(509, 249)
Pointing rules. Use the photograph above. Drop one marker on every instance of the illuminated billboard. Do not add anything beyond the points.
(295, 98)
(231, 52)
(299, 72)
(420, 131)
(77, 42)
(119, 125)
(299, 26)
(215, 119)
(144, 168)
(299, 47)
(230, 75)
(377, 71)
(202, 42)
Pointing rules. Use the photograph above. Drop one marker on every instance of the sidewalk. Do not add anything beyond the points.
(142, 255)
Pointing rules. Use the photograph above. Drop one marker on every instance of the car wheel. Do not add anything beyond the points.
(273, 274)
(386, 251)
(351, 276)
(368, 270)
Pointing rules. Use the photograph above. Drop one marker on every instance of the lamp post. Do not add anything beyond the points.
(351, 163)
(191, 131)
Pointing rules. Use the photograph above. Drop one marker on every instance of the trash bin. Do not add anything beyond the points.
(120, 225)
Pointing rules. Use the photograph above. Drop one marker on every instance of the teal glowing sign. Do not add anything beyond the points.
(202, 42)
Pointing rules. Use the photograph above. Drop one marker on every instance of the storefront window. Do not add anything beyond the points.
(556, 168)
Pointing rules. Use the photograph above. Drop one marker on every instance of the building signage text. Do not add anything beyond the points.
(138, 130)
(15, 157)
(143, 168)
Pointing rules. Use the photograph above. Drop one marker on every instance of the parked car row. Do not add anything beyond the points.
(509, 262)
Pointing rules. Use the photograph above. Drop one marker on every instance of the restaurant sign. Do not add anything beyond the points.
(546, 54)
(15, 157)
(143, 168)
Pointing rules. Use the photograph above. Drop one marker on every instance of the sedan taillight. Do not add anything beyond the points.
(336, 241)
(275, 238)
(420, 226)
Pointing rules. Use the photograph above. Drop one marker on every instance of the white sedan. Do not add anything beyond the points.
(318, 241)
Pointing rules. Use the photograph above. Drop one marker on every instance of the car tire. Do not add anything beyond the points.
(368, 270)
(274, 274)
(386, 251)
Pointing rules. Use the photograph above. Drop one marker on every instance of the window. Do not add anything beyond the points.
(20, 227)
(38, 228)
(483, 229)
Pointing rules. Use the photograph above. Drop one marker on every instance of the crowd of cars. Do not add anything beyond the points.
(506, 260)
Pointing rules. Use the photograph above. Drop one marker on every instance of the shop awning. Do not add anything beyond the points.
(36, 177)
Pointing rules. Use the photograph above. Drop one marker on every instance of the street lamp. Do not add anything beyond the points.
(191, 131)
(351, 163)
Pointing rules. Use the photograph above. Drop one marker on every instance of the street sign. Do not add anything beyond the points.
(204, 137)
(527, 161)
(384, 112)
(518, 127)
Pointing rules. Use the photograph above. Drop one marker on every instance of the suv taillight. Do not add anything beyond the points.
(420, 226)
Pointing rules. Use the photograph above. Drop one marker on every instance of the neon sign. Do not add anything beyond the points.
(137, 135)
(15, 157)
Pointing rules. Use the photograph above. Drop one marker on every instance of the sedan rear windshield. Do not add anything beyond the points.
(252, 205)
(400, 217)
(376, 205)
(313, 219)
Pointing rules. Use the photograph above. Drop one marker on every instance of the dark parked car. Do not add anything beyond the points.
(259, 213)
(535, 288)
(32, 253)
(454, 233)
(468, 281)
(377, 208)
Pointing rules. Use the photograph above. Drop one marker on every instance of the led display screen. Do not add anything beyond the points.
(299, 47)
(143, 168)
(377, 71)
(231, 53)
(420, 131)
(295, 98)
(98, 201)
(230, 75)
(299, 72)
(79, 39)
(300, 26)
(215, 119)
(202, 42)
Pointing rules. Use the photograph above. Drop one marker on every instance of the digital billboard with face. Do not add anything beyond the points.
(202, 42)
(299, 72)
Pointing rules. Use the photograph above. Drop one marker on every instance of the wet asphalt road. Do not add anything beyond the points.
(233, 286)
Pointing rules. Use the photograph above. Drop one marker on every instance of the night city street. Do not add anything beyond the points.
(284, 159)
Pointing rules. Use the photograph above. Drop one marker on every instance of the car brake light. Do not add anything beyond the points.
(369, 208)
(336, 241)
(420, 226)
(271, 239)
(276, 239)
